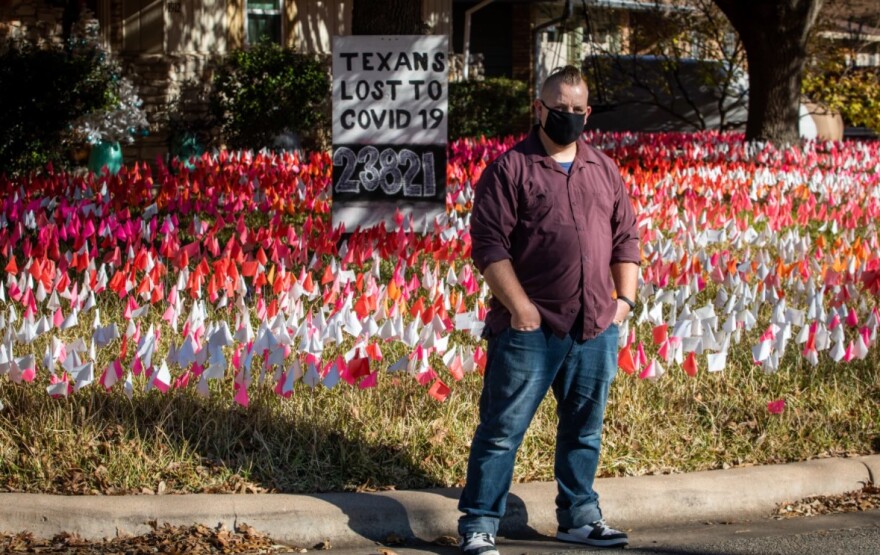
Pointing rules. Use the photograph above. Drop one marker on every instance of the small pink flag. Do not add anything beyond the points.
(649, 371)
(480, 358)
(426, 377)
(137, 367)
(663, 351)
(776, 407)
(162, 380)
(370, 381)
(852, 319)
(456, 368)
(835, 321)
(641, 357)
(241, 396)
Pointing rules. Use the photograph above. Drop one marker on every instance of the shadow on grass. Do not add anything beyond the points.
(311, 444)
(307, 450)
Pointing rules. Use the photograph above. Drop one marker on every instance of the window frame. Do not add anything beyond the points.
(276, 12)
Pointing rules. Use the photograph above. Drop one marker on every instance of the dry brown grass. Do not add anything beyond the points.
(395, 436)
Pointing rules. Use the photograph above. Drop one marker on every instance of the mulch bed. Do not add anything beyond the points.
(163, 538)
(865, 499)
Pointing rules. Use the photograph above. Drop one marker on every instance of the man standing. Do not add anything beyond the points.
(555, 237)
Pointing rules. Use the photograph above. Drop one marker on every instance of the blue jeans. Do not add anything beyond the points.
(521, 367)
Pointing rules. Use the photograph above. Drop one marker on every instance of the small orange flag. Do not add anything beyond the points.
(308, 285)
(249, 268)
(328, 275)
(393, 292)
(417, 307)
(690, 365)
(439, 391)
(659, 333)
(12, 266)
(625, 361)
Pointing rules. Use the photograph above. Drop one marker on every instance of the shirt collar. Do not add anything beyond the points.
(535, 153)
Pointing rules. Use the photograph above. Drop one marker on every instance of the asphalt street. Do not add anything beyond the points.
(843, 534)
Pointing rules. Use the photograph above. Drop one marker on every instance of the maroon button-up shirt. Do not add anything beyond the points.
(561, 232)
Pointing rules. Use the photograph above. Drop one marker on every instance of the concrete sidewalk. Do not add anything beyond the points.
(353, 519)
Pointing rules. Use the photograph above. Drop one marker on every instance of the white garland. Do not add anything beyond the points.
(119, 123)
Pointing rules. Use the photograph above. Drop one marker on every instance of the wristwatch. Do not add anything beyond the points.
(630, 302)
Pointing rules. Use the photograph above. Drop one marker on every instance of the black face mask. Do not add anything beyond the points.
(563, 128)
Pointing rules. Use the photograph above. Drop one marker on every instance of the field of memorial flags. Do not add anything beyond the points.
(174, 278)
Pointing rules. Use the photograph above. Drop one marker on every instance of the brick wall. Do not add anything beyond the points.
(159, 79)
(36, 21)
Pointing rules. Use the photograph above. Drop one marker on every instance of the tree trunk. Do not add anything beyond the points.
(774, 34)
(774, 85)
(387, 17)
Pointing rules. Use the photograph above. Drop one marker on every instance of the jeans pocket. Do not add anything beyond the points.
(529, 340)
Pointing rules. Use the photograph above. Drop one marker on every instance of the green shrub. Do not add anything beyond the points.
(494, 107)
(42, 92)
(264, 91)
(852, 91)
(187, 120)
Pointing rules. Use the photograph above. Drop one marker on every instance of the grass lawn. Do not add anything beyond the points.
(395, 436)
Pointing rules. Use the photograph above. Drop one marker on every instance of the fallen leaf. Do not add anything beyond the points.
(446, 540)
(395, 539)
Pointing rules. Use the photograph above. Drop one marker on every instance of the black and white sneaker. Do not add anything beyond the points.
(481, 543)
(596, 533)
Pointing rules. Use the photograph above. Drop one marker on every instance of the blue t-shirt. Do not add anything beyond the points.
(566, 165)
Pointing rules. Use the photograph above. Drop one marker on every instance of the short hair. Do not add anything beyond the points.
(570, 75)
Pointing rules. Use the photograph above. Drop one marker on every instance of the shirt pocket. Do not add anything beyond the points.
(598, 205)
(536, 201)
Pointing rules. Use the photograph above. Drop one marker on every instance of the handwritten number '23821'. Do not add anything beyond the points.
(393, 171)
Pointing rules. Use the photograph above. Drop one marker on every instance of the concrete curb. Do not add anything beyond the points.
(364, 518)
(873, 464)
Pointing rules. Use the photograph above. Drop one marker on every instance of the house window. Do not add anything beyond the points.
(263, 21)
(731, 40)
(143, 26)
(698, 46)
(603, 34)
(867, 59)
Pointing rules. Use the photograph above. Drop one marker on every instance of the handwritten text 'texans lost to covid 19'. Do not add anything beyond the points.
(373, 78)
